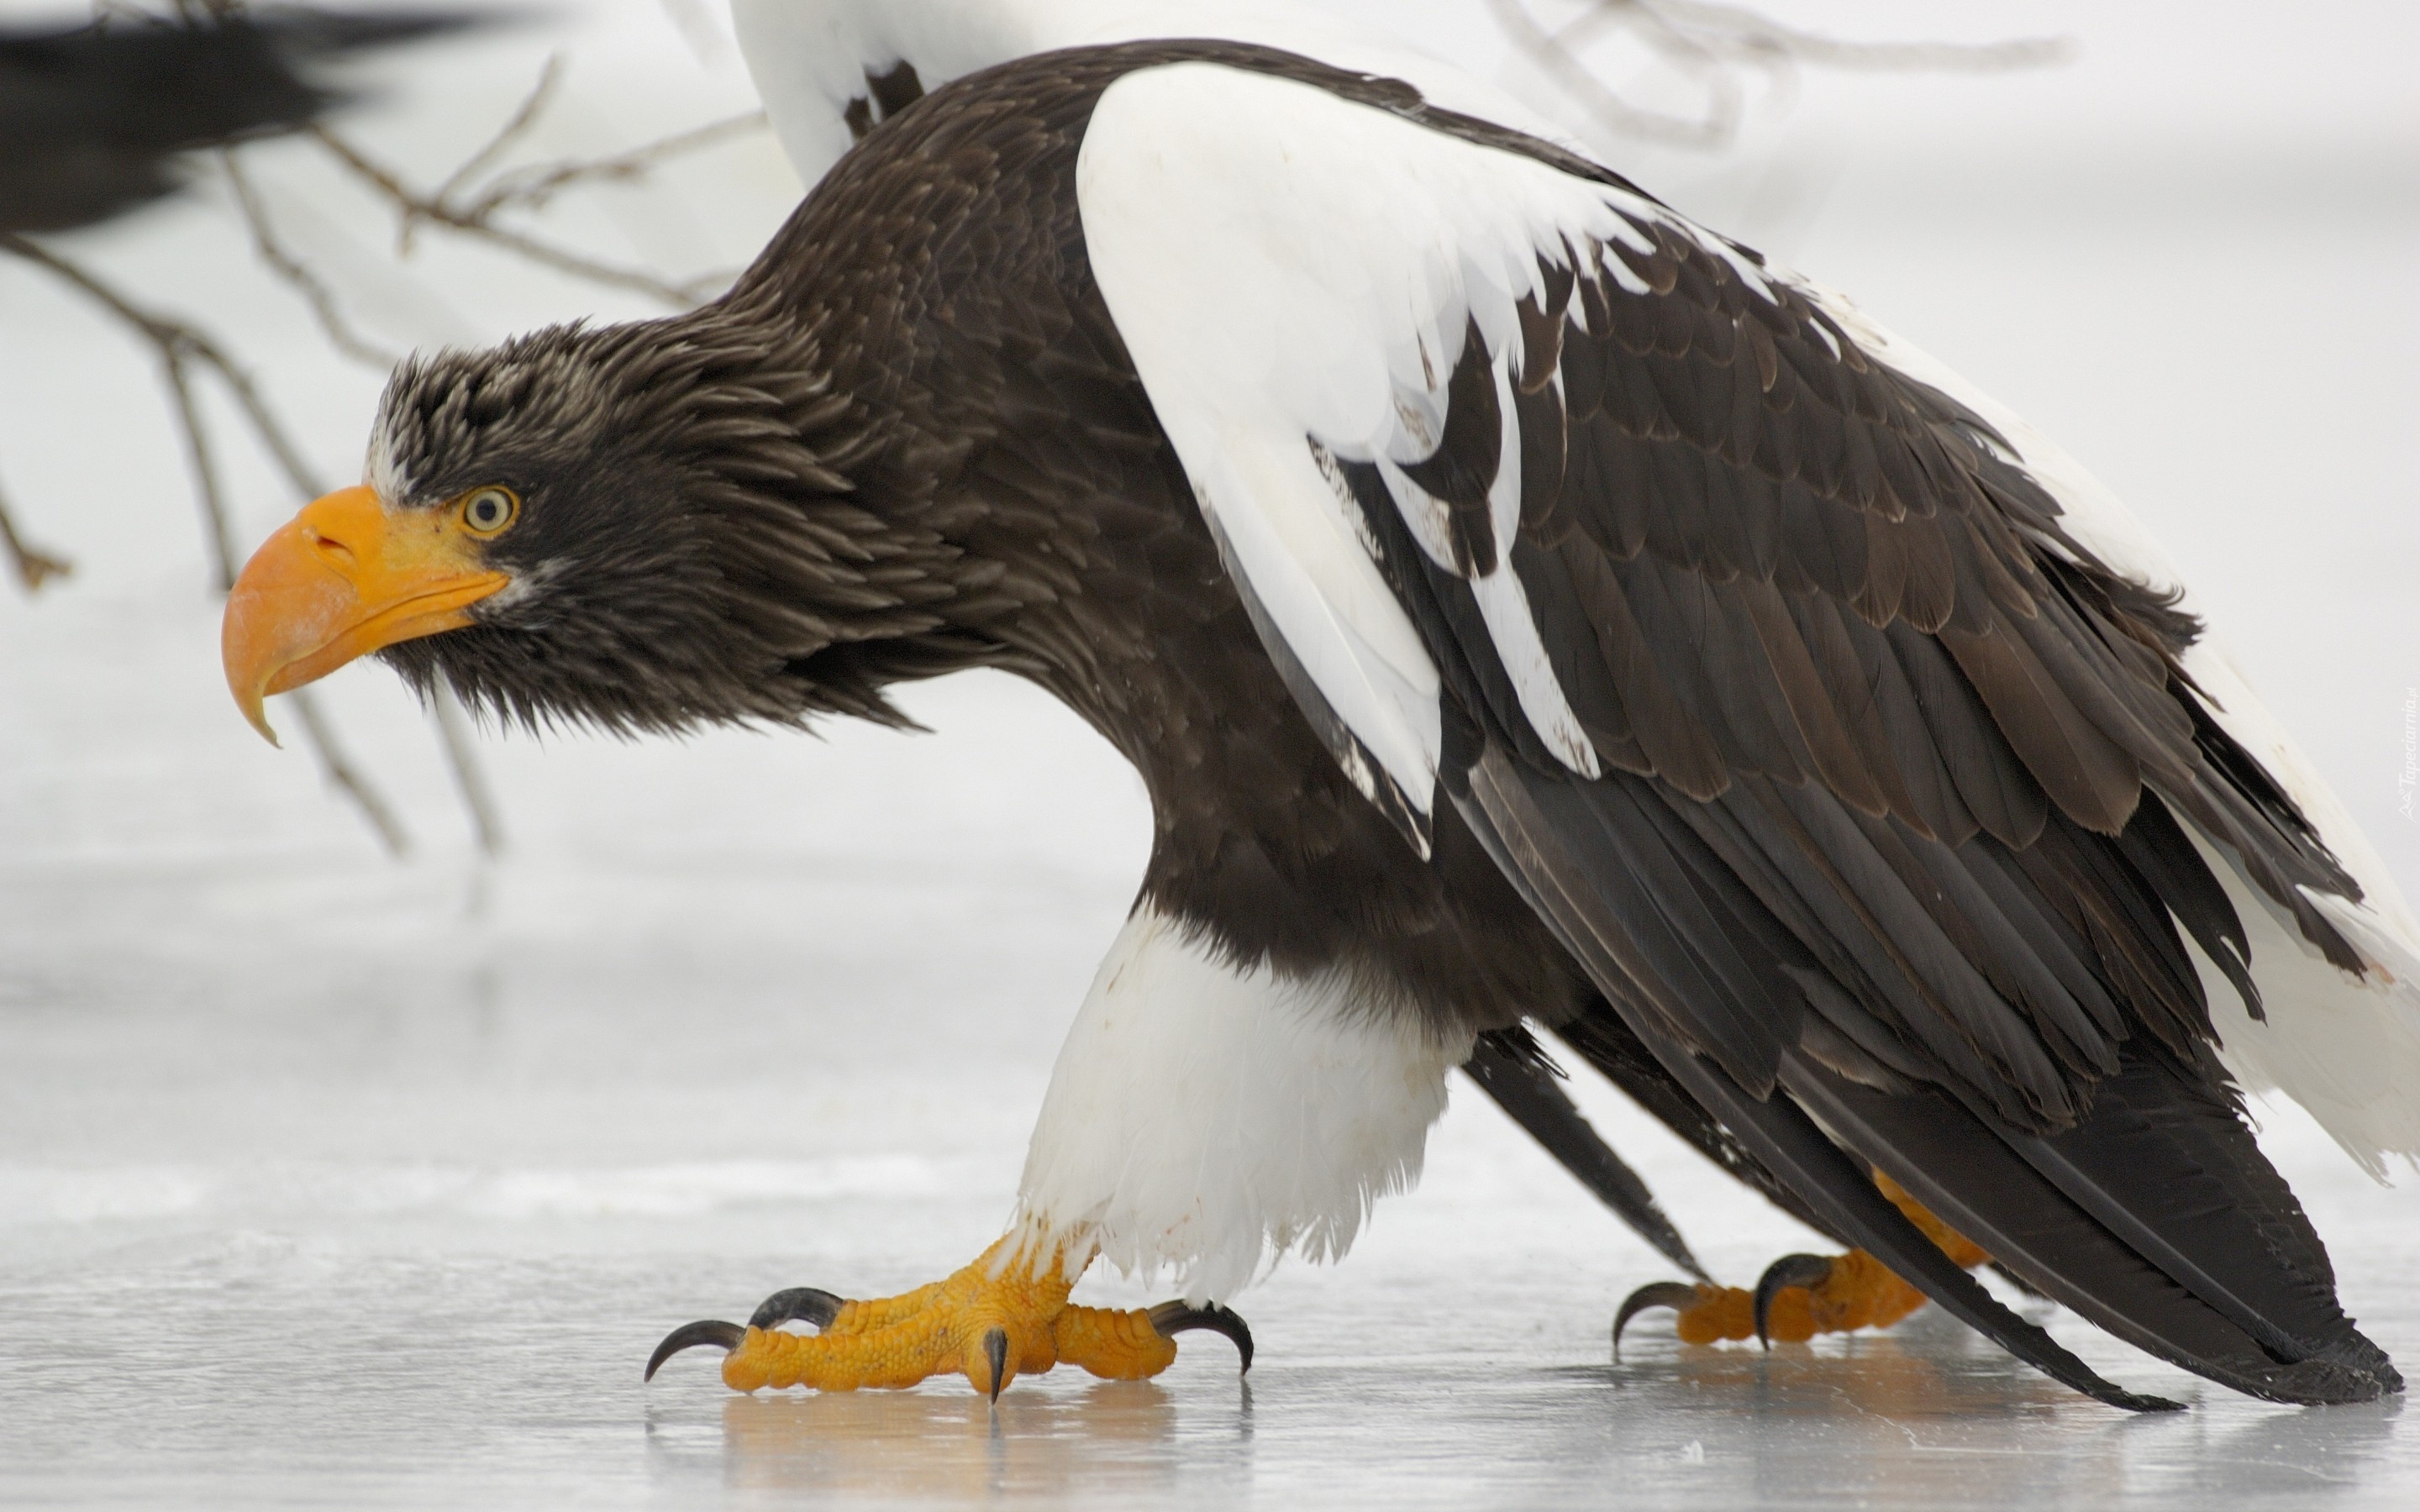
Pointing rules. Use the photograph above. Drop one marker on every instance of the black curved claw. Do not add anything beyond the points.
(722, 1336)
(1673, 1294)
(1788, 1270)
(1171, 1319)
(811, 1303)
(995, 1350)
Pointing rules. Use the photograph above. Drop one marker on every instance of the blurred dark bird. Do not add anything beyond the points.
(1523, 606)
(92, 118)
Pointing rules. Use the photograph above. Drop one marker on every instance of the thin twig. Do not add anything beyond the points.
(414, 205)
(188, 342)
(459, 205)
(1562, 63)
(338, 769)
(1754, 33)
(314, 289)
(534, 104)
(532, 188)
(453, 734)
(220, 535)
(1712, 42)
(34, 566)
(172, 343)
(178, 345)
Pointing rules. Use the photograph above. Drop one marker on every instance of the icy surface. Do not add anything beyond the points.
(360, 1184)
(330, 1181)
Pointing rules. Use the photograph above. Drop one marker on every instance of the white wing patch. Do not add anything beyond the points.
(1296, 276)
(1503, 603)
(1308, 567)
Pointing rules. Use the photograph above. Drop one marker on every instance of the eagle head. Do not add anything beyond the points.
(637, 528)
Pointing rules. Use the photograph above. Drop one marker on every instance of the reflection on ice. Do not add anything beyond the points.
(1114, 1440)
(1916, 1423)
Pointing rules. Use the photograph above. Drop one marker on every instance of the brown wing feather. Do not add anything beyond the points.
(1758, 555)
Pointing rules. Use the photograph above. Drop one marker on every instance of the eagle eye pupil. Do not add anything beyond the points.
(488, 511)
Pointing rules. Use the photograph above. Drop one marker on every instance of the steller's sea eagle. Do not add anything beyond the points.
(1522, 605)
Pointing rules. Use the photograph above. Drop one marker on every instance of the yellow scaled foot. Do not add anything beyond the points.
(1004, 1316)
(1802, 1295)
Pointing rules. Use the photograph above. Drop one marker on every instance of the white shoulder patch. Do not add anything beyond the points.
(1203, 1117)
(1296, 276)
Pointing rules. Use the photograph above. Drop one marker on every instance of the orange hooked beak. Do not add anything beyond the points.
(339, 580)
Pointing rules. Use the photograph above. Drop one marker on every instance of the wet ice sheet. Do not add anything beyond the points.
(433, 1358)
(319, 1190)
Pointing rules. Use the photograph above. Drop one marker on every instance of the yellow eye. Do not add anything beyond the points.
(488, 511)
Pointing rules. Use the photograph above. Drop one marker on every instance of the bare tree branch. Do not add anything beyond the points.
(532, 188)
(1752, 35)
(220, 537)
(1713, 45)
(174, 343)
(461, 205)
(454, 733)
(533, 106)
(314, 289)
(1557, 54)
(415, 207)
(34, 566)
(179, 345)
(339, 771)
(179, 342)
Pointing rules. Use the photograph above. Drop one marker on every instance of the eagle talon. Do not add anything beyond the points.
(1171, 1319)
(1806, 1272)
(809, 1305)
(724, 1336)
(995, 1343)
(1677, 1295)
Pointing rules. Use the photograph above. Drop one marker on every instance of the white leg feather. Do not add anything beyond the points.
(1201, 1116)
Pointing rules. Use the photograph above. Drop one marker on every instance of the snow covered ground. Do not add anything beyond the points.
(331, 1180)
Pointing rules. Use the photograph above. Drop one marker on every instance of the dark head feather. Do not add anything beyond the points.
(692, 546)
